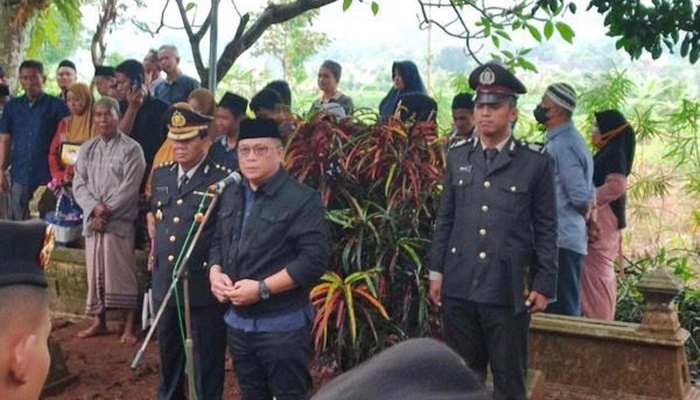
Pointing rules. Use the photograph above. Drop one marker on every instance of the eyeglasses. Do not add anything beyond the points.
(259, 151)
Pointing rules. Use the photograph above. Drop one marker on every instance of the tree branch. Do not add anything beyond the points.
(245, 38)
(194, 40)
(97, 45)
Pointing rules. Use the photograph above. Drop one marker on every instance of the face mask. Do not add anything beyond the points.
(541, 114)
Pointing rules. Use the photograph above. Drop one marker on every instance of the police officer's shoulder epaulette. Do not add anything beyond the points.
(462, 142)
(458, 143)
(167, 164)
(537, 148)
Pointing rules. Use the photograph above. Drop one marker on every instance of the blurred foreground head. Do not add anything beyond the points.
(415, 369)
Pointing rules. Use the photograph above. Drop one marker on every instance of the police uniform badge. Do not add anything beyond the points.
(487, 76)
(178, 120)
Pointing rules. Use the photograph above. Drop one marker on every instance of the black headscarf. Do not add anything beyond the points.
(412, 84)
(615, 157)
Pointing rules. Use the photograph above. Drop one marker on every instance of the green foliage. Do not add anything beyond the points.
(378, 182)
(650, 28)
(351, 315)
(292, 43)
(54, 31)
(630, 303)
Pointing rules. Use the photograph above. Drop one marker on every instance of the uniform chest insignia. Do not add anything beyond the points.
(465, 168)
(159, 215)
(206, 169)
(162, 189)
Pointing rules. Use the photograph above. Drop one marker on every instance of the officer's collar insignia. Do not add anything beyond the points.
(178, 120)
(487, 76)
(466, 168)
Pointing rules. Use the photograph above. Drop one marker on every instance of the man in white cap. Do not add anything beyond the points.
(573, 176)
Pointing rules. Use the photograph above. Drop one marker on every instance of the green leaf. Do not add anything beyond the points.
(375, 7)
(189, 6)
(496, 41)
(694, 53)
(527, 65)
(565, 31)
(572, 8)
(534, 32)
(516, 25)
(503, 34)
(346, 4)
(548, 29)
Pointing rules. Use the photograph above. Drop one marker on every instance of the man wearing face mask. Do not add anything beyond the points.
(573, 176)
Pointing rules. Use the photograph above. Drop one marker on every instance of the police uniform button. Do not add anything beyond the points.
(482, 256)
(487, 184)
(179, 202)
(485, 208)
(204, 265)
(513, 188)
(453, 250)
(482, 232)
(171, 258)
(172, 239)
(176, 220)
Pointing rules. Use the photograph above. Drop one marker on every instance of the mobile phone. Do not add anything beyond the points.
(136, 83)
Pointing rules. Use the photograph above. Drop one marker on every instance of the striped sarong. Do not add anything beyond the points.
(111, 273)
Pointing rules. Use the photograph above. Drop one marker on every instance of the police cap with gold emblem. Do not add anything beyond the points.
(184, 124)
(493, 83)
(24, 252)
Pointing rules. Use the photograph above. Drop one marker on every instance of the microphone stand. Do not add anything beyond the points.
(181, 273)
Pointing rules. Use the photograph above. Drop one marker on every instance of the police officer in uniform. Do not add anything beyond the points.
(494, 250)
(178, 189)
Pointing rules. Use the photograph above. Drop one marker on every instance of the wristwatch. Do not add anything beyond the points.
(263, 291)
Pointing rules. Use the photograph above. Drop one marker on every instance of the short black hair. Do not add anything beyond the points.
(335, 68)
(131, 68)
(37, 65)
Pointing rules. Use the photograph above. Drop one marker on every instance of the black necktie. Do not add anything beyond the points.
(183, 180)
(490, 155)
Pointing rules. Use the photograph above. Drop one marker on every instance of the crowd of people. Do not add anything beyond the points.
(132, 156)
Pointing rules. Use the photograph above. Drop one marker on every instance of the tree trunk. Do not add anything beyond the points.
(11, 49)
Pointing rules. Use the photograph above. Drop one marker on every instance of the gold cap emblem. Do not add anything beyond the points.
(487, 76)
(178, 120)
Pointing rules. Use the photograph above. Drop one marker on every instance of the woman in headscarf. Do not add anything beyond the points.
(72, 131)
(406, 80)
(614, 138)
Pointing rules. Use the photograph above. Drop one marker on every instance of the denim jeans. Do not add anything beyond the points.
(568, 301)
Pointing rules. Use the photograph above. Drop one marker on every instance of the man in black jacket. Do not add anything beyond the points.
(177, 195)
(495, 239)
(270, 247)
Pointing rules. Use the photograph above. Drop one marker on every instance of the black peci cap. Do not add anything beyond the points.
(463, 100)
(258, 128)
(24, 250)
(493, 83)
(234, 103)
(104, 70)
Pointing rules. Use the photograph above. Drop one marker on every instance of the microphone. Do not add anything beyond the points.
(233, 178)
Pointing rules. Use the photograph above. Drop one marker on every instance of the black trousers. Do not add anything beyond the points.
(271, 364)
(209, 353)
(487, 335)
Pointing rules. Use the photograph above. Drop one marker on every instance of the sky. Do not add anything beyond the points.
(394, 30)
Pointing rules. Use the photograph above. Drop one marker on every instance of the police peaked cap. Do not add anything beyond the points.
(259, 128)
(21, 245)
(493, 83)
(184, 124)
